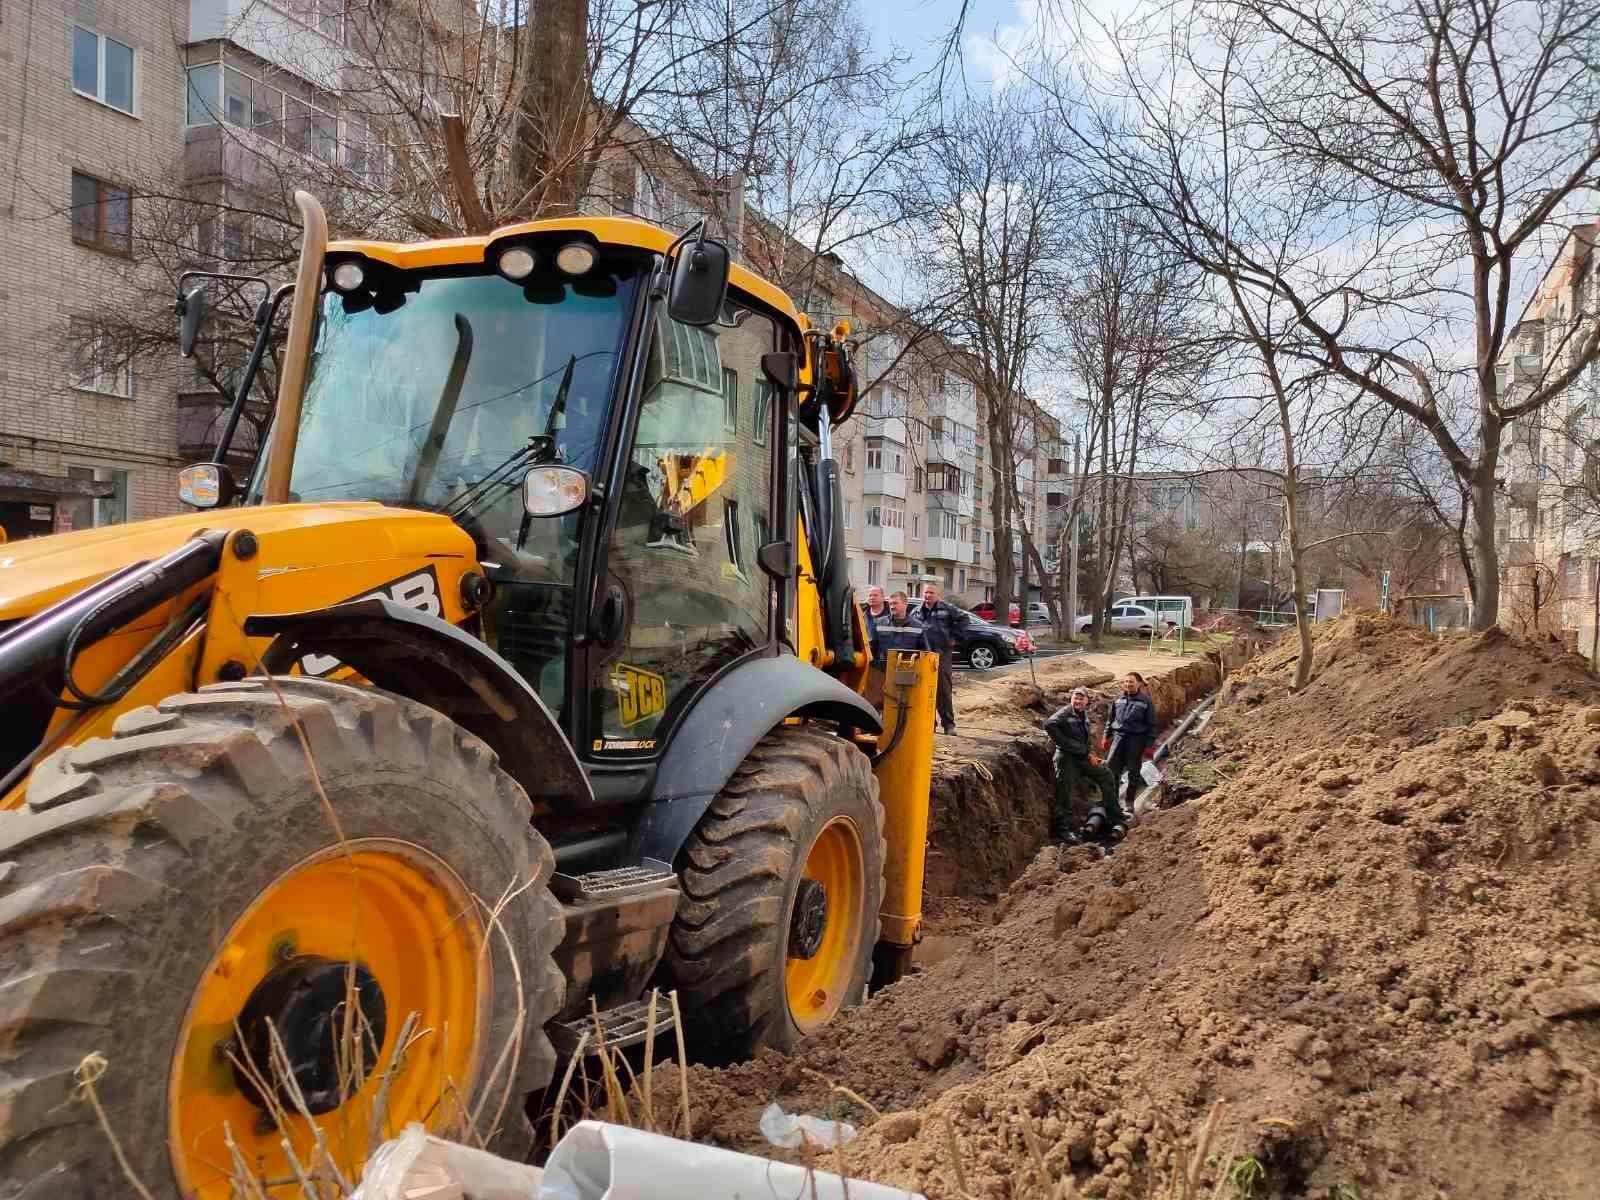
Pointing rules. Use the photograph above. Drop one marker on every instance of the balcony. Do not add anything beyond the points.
(884, 483)
(881, 537)
(948, 550)
(890, 429)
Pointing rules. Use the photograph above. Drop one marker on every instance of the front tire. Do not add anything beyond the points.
(183, 880)
(782, 886)
(981, 658)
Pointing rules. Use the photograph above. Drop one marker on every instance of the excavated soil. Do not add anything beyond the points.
(1376, 943)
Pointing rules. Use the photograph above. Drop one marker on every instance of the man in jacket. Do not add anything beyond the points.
(899, 631)
(1130, 731)
(946, 626)
(1068, 728)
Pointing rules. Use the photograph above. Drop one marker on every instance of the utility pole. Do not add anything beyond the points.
(1072, 536)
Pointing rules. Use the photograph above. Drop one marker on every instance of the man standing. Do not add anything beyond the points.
(946, 626)
(876, 608)
(1068, 728)
(1130, 731)
(898, 631)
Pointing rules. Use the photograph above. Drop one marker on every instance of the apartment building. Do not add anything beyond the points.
(91, 95)
(1548, 521)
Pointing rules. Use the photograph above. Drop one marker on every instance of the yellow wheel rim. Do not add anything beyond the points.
(817, 986)
(402, 915)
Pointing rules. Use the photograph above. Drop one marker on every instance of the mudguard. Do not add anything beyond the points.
(735, 713)
(404, 650)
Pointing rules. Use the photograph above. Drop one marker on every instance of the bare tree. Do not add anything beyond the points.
(996, 192)
(1445, 140)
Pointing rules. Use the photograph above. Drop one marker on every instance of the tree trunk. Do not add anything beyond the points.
(549, 156)
(1485, 555)
(1302, 619)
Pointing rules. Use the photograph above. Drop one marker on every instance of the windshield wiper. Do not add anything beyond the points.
(449, 398)
(540, 449)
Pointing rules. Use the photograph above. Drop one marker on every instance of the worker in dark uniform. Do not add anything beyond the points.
(947, 628)
(1068, 728)
(1130, 731)
(900, 631)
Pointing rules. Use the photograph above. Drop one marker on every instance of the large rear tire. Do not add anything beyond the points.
(782, 886)
(157, 878)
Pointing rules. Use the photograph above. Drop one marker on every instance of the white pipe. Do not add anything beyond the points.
(596, 1161)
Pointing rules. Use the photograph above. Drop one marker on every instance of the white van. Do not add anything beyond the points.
(1172, 609)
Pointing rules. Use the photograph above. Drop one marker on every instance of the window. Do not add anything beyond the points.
(874, 456)
(98, 362)
(326, 16)
(730, 532)
(102, 69)
(763, 411)
(849, 456)
(874, 571)
(936, 478)
(962, 586)
(730, 399)
(89, 513)
(917, 484)
(204, 81)
(102, 214)
(848, 507)
(916, 526)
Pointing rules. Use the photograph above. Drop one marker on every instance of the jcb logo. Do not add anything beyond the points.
(419, 591)
(641, 694)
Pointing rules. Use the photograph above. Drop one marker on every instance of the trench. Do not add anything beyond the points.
(989, 807)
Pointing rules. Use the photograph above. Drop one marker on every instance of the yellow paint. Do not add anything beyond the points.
(621, 231)
(905, 777)
(810, 642)
(818, 986)
(408, 919)
(688, 480)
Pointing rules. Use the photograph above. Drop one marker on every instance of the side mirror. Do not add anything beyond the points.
(554, 491)
(781, 369)
(699, 282)
(191, 307)
(207, 485)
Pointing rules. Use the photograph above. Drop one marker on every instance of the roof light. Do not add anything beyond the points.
(517, 263)
(576, 258)
(348, 276)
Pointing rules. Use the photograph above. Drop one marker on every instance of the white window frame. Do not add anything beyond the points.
(95, 380)
(96, 470)
(99, 94)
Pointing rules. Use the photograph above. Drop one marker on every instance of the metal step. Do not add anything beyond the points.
(625, 1025)
(612, 882)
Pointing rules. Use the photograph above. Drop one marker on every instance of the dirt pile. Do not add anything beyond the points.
(1382, 952)
(1375, 674)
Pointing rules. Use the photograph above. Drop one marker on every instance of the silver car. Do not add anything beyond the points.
(1125, 618)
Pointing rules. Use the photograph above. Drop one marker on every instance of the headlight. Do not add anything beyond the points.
(348, 276)
(517, 263)
(206, 485)
(554, 491)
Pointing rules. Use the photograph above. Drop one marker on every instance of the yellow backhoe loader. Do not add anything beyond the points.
(520, 676)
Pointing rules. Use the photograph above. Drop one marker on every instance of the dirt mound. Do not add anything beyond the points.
(1383, 955)
(1373, 673)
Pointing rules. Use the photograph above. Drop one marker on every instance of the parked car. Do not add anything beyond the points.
(1172, 609)
(987, 645)
(1125, 618)
(1038, 613)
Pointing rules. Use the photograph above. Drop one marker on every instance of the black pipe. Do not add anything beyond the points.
(266, 314)
(34, 651)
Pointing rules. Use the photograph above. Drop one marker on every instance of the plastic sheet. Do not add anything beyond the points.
(789, 1130)
(418, 1166)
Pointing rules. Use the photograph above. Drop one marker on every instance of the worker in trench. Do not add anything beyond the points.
(1129, 732)
(1076, 761)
